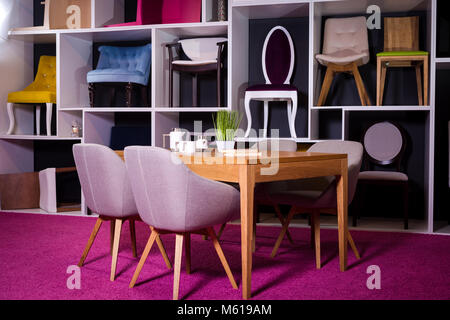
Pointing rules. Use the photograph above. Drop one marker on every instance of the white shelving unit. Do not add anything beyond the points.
(74, 50)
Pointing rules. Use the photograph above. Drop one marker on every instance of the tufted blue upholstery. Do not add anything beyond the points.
(122, 64)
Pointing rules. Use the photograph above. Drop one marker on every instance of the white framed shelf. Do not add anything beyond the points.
(373, 108)
(35, 137)
(75, 58)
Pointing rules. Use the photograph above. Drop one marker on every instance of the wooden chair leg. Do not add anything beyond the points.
(94, 232)
(419, 84)
(280, 217)
(353, 246)
(378, 101)
(163, 252)
(283, 232)
(187, 252)
(133, 237)
(129, 89)
(315, 221)
(117, 230)
(222, 258)
(194, 90)
(325, 86)
(112, 226)
(222, 227)
(144, 256)
(91, 94)
(425, 81)
(177, 268)
(383, 82)
(360, 86)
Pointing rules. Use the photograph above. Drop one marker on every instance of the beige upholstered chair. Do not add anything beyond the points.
(345, 48)
(316, 196)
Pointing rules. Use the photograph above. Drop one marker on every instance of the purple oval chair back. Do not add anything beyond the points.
(278, 56)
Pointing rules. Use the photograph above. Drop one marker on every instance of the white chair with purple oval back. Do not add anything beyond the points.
(278, 59)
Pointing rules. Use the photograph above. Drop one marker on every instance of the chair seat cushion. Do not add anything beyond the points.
(272, 87)
(382, 175)
(402, 53)
(194, 63)
(32, 97)
(343, 57)
(116, 75)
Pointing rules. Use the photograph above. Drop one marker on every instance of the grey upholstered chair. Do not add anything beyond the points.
(384, 145)
(317, 196)
(172, 199)
(107, 193)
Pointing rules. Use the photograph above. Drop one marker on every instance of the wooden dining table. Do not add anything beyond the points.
(250, 168)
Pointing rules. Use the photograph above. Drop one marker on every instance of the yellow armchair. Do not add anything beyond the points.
(41, 90)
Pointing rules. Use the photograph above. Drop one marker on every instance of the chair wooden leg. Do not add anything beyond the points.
(325, 86)
(283, 232)
(117, 231)
(187, 252)
(112, 226)
(133, 237)
(177, 268)
(280, 217)
(91, 94)
(94, 232)
(144, 256)
(353, 246)
(12, 120)
(425, 81)
(222, 258)
(383, 82)
(378, 102)
(222, 228)
(315, 225)
(194, 90)
(129, 89)
(360, 86)
(419, 85)
(163, 252)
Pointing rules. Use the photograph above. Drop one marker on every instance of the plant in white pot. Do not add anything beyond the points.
(225, 125)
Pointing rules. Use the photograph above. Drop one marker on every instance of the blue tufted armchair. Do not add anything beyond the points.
(129, 65)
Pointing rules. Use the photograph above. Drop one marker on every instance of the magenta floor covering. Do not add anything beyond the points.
(36, 250)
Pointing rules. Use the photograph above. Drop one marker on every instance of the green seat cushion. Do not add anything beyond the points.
(401, 53)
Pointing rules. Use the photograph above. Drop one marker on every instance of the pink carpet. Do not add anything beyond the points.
(35, 251)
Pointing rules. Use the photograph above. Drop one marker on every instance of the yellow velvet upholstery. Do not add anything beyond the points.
(43, 88)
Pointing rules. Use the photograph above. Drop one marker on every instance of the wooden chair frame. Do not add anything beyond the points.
(351, 68)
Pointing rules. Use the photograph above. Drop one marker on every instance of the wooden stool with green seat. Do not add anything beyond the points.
(401, 49)
(41, 91)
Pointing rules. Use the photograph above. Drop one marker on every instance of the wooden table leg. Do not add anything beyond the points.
(247, 186)
(342, 206)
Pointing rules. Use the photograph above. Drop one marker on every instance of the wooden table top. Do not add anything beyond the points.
(261, 158)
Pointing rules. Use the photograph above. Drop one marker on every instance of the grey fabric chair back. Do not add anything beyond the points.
(282, 145)
(170, 196)
(104, 180)
(354, 151)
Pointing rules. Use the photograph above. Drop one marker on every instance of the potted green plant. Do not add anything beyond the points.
(225, 125)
